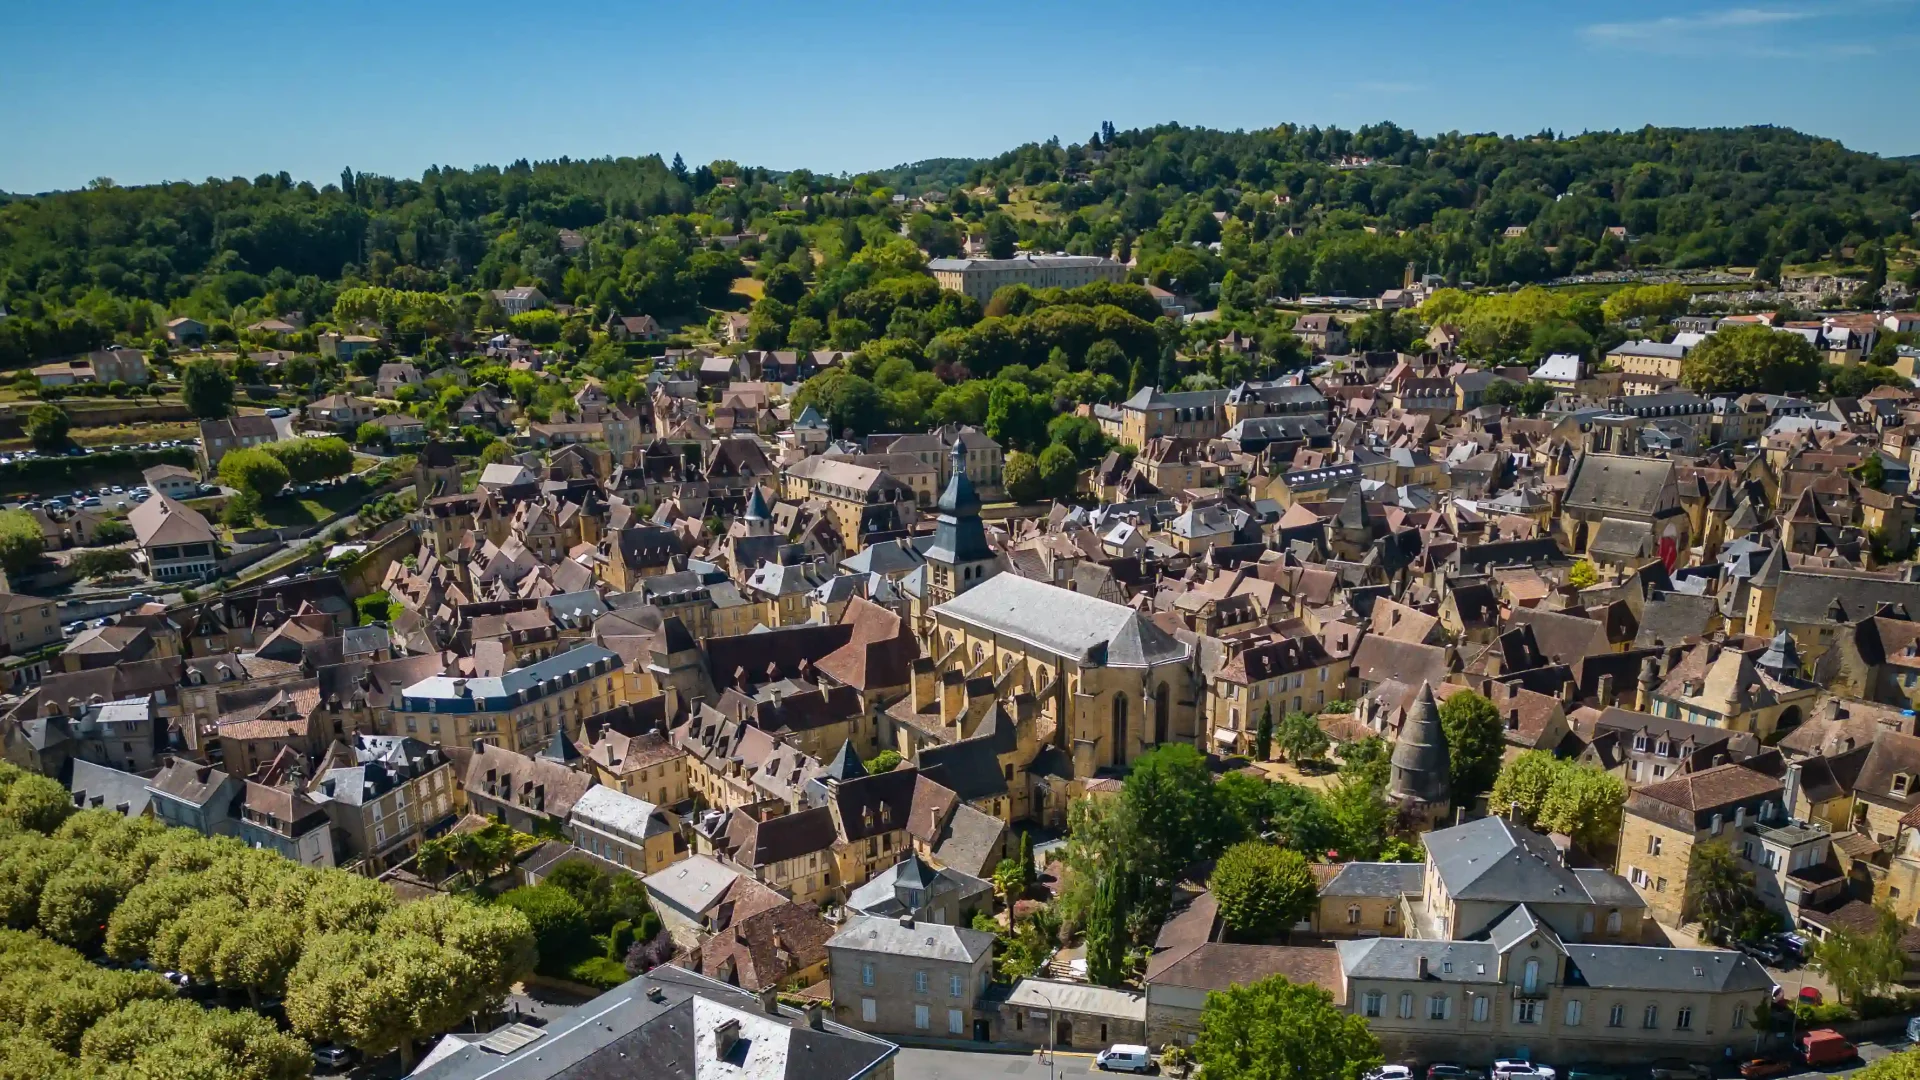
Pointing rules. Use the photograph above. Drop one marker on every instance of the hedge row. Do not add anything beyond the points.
(50, 474)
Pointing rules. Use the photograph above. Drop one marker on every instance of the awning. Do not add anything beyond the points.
(1226, 736)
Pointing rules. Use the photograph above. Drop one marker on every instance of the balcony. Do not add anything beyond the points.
(1790, 834)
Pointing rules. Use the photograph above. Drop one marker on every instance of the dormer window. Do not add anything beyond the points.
(1640, 744)
(1663, 748)
(1902, 784)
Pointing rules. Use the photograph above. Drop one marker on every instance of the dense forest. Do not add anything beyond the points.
(1241, 216)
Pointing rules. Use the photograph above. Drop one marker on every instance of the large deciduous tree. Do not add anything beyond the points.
(207, 390)
(1736, 359)
(1262, 890)
(1278, 1030)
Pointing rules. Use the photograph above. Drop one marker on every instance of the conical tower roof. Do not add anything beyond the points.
(1721, 501)
(757, 506)
(1421, 766)
(1769, 575)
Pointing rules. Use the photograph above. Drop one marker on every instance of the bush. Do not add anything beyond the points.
(374, 608)
(1832, 1012)
(559, 925)
(599, 972)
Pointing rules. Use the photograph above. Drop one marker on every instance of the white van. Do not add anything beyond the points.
(1123, 1057)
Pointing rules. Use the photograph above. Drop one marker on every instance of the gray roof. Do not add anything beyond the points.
(1078, 998)
(879, 898)
(1637, 967)
(1518, 924)
(667, 1019)
(1493, 859)
(1384, 879)
(1068, 623)
(1019, 260)
(692, 884)
(100, 787)
(1609, 889)
(616, 812)
(1399, 958)
(923, 941)
(1811, 598)
(1420, 761)
(1628, 485)
(1649, 348)
(498, 692)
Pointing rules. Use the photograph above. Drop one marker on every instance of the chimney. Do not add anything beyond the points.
(1513, 719)
(770, 1001)
(1666, 662)
(1606, 691)
(1423, 967)
(1566, 692)
(724, 1038)
(1713, 651)
(656, 993)
(907, 920)
(1790, 788)
(813, 1015)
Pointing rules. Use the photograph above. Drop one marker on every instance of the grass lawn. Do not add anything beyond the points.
(297, 510)
(750, 287)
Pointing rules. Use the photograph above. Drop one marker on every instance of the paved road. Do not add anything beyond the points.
(915, 1064)
(962, 1065)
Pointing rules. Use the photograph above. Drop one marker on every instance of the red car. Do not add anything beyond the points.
(1762, 1068)
(1810, 995)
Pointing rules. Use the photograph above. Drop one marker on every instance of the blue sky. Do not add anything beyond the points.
(147, 90)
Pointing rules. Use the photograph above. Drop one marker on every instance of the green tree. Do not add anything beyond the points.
(1021, 478)
(35, 803)
(559, 923)
(47, 426)
(884, 761)
(1752, 358)
(1860, 963)
(1263, 735)
(1719, 889)
(240, 510)
(1001, 237)
(21, 541)
(207, 390)
(1058, 472)
(1277, 1030)
(496, 453)
(1583, 574)
(370, 434)
(1262, 890)
(254, 471)
(1523, 785)
(1586, 804)
(1475, 741)
(1300, 737)
(1106, 932)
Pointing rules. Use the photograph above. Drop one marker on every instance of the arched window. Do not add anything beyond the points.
(1531, 981)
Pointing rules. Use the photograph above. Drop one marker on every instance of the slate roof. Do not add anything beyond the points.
(1638, 967)
(1388, 880)
(1068, 623)
(97, 786)
(673, 1035)
(1625, 485)
(920, 941)
(1493, 859)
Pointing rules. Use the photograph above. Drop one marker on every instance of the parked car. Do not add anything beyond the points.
(276, 412)
(1810, 995)
(1449, 1071)
(1913, 1030)
(331, 1055)
(1762, 1068)
(1767, 952)
(1823, 1047)
(92, 500)
(1680, 1069)
(1510, 1069)
(1124, 1057)
(1389, 1072)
